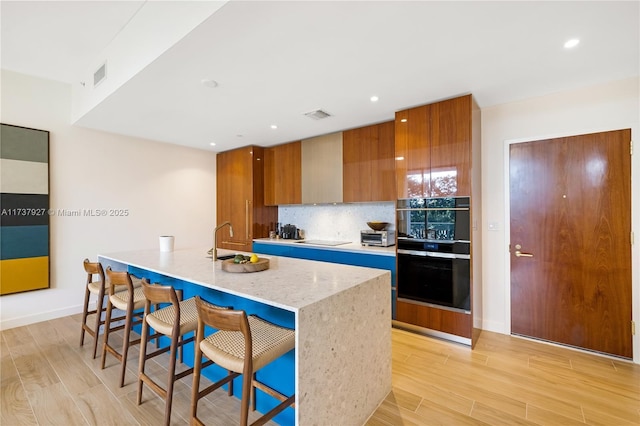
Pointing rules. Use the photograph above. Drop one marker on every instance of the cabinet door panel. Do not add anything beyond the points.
(401, 153)
(369, 163)
(359, 146)
(451, 147)
(270, 176)
(456, 323)
(234, 194)
(282, 184)
(412, 145)
(261, 218)
(223, 193)
(383, 174)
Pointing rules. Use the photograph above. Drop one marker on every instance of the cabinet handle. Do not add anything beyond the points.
(246, 216)
(233, 243)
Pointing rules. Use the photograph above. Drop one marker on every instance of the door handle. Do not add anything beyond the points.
(518, 253)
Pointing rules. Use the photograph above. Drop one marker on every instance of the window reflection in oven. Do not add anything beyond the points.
(442, 219)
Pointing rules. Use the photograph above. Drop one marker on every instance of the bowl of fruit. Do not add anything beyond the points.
(245, 263)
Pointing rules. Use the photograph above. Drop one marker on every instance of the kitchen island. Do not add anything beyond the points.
(341, 366)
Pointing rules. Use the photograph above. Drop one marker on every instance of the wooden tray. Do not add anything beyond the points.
(260, 265)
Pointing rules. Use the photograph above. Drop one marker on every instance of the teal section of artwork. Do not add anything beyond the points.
(24, 241)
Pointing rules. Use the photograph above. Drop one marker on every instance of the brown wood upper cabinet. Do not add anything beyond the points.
(282, 174)
(240, 198)
(369, 163)
(433, 146)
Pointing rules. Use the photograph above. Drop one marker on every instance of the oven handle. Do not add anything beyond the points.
(434, 254)
(426, 209)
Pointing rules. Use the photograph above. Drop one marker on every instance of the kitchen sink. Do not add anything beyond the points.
(226, 256)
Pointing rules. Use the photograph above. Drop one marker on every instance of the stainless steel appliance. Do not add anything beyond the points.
(369, 237)
(434, 252)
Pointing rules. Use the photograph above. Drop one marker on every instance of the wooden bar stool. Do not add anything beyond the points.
(174, 321)
(100, 289)
(238, 335)
(129, 298)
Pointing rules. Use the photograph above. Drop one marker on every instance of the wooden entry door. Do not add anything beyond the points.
(570, 241)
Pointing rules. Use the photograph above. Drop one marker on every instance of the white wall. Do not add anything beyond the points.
(167, 189)
(611, 106)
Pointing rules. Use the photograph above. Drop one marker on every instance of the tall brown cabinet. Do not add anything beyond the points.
(240, 198)
(438, 155)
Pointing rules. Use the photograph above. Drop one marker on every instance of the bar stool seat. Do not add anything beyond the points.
(243, 344)
(270, 341)
(162, 320)
(120, 299)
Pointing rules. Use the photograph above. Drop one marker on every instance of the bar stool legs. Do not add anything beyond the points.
(174, 321)
(98, 288)
(128, 299)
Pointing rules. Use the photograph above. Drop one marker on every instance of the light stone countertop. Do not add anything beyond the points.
(351, 247)
(289, 283)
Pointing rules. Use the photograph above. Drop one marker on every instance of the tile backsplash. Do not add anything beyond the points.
(336, 222)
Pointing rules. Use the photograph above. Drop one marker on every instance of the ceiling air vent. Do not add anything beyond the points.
(318, 114)
(100, 74)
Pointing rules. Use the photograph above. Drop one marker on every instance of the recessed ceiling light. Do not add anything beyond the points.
(571, 43)
(212, 144)
(211, 84)
(273, 126)
(374, 99)
(403, 120)
(399, 158)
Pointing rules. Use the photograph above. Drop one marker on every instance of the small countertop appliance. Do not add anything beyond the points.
(369, 237)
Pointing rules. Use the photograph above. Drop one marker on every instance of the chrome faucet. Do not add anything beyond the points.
(215, 233)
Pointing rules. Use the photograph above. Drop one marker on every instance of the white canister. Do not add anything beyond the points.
(166, 243)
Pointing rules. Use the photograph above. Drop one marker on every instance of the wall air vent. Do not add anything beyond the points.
(100, 74)
(318, 114)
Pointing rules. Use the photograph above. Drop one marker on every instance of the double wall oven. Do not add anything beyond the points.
(433, 241)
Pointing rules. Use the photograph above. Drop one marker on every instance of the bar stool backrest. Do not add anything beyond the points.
(93, 268)
(119, 279)
(155, 293)
(228, 320)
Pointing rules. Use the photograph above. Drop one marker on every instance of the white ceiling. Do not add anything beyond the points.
(275, 61)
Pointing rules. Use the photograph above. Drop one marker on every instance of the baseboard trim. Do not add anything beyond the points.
(429, 332)
(39, 317)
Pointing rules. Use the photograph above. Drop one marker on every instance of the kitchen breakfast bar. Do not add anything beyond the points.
(340, 369)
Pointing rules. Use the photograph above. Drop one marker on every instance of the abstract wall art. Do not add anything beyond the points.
(24, 209)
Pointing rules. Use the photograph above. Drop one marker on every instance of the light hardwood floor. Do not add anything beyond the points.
(506, 380)
(48, 379)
